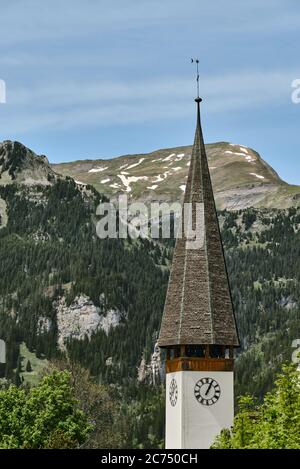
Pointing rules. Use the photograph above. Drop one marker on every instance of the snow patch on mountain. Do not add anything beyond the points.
(235, 153)
(135, 164)
(159, 178)
(249, 159)
(169, 157)
(257, 175)
(243, 149)
(162, 177)
(127, 180)
(99, 169)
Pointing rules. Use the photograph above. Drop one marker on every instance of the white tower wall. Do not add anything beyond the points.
(189, 423)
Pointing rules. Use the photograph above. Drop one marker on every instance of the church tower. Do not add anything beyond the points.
(198, 327)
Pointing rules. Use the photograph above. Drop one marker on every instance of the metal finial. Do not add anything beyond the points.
(196, 61)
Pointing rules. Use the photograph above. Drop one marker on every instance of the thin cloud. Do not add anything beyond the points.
(70, 105)
(36, 20)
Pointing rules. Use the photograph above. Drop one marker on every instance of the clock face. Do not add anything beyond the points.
(207, 391)
(173, 392)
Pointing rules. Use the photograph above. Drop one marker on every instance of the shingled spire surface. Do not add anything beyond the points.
(198, 307)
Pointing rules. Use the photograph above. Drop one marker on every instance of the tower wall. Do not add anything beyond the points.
(190, 423)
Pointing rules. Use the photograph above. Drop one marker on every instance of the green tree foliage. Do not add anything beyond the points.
(249, 217)
(17, 379)
(274, 424)
(42, 417)
(143, 409)
(123, 417)
(265, 284)
(19, 365)
(100, 403)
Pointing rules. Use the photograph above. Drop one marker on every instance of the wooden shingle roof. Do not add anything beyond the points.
(198, 307)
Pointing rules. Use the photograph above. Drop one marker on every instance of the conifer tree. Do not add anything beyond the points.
(28, 367)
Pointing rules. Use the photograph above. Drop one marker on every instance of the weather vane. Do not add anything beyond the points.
(196, 61)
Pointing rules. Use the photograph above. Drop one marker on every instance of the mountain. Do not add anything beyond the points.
(20, 165)
(61, 287)
(240, 177)
(65, 291)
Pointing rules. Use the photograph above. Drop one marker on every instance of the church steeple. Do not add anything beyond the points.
(198, 327)
(198, 308)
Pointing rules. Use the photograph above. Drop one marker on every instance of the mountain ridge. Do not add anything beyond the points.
(240, 176)
(21, 165)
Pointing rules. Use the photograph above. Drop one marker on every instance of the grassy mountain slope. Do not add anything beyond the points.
(241, 178)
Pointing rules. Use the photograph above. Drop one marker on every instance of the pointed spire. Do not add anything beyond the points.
(198, 307)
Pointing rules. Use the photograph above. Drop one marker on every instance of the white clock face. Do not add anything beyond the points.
(207, 391)
(173, 392)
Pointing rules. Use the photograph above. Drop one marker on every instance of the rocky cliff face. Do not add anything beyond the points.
(3, 213)
(21, 165)
(152, 372)
(79, 320)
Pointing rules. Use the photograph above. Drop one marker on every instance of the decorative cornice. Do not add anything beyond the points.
(199, 364)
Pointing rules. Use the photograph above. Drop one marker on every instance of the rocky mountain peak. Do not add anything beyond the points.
(21, 165)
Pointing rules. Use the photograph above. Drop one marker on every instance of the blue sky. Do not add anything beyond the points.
(100, 78)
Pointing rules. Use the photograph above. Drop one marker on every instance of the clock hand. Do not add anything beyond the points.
(208, 389)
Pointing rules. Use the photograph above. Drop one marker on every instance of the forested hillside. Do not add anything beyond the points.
(262, 250)
(50, 254)
(53, 265)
